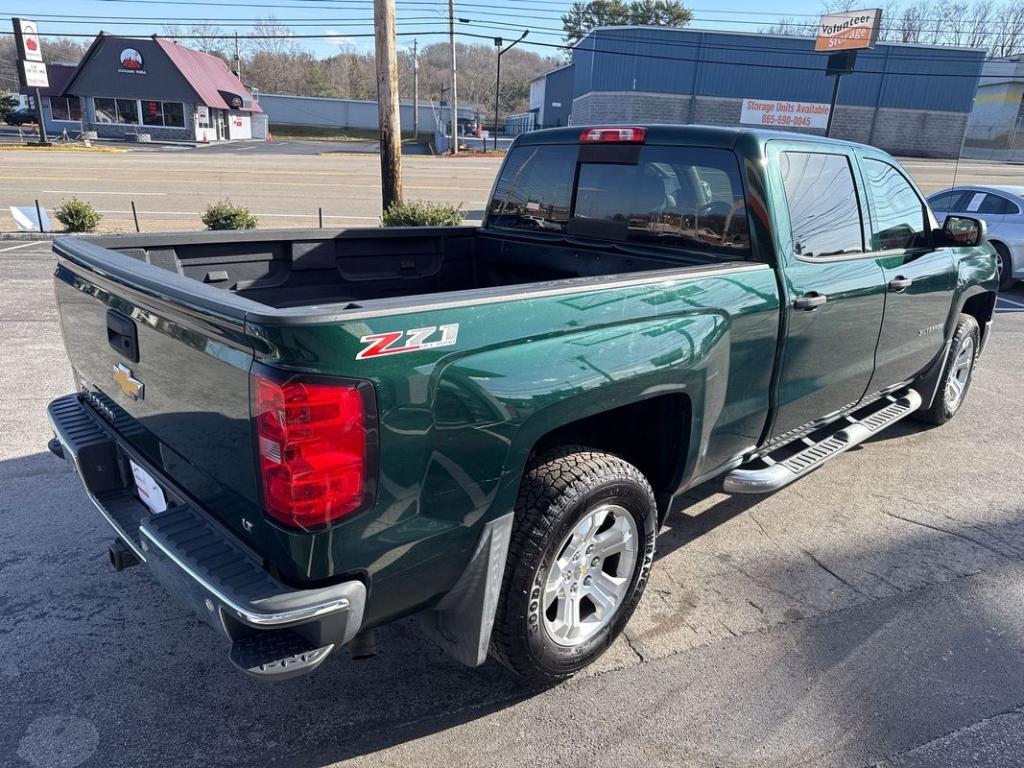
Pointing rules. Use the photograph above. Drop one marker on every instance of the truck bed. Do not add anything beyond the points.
(296, 268)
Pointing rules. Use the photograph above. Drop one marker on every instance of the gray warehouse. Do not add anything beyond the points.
(905, 98)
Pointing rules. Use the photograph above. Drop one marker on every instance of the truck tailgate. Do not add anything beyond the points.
(165, 361)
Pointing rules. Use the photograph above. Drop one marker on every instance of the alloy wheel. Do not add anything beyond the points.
(590, 575)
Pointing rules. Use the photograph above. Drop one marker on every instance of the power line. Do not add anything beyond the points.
(593, 50)
(755, 65)
(892, 53)
(490, 17)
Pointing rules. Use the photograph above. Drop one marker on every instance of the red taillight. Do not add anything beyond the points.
(613, 135)
(314, 445)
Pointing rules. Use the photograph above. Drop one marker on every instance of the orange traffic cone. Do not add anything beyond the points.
(206, 138)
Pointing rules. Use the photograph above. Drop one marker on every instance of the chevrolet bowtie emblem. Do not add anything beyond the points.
(131, 386)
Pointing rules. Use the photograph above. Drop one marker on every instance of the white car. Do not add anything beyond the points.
(1002, 209)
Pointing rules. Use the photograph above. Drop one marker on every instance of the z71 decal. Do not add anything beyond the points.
(413, 340)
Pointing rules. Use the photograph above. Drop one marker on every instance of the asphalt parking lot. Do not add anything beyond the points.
(869, 615)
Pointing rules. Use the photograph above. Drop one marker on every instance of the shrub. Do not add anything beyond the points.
(419, 214)
(224, 215)
(77, 216)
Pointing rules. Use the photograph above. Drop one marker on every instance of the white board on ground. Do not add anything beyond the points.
(27, 220)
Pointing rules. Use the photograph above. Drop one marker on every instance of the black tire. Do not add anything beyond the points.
(944, 407)
(1006, 280)
(558, 489)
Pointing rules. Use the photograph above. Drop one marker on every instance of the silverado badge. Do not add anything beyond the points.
(131, 386)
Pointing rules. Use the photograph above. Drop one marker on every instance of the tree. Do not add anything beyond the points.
(8, 102)
(1009, 35)
(585, 16)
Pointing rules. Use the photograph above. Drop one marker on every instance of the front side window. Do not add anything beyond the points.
(824, 213)
(535, 189)
(948, 201)
(899, 220)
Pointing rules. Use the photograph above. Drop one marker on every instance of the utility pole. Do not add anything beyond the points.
(238, 60)
(387, 102)
(454, 103)
(415, 89)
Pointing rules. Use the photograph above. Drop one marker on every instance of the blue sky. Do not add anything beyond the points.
(352, 19)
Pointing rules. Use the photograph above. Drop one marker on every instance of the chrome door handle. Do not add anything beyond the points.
(810, 301)
(900, 284)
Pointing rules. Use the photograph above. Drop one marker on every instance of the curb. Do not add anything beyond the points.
(41, 236)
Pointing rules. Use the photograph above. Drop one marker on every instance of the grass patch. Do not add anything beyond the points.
(318, 133)
(60, 148)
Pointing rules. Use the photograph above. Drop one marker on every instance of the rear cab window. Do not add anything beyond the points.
(665, 196)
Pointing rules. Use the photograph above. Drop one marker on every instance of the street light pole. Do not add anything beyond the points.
(497, 82)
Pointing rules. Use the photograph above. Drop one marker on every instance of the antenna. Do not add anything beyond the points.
(963, 140)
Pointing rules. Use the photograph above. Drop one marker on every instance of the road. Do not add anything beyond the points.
(869, 615)
(170, 188)
(284, 184)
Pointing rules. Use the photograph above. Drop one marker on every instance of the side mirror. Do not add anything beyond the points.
(964, 231)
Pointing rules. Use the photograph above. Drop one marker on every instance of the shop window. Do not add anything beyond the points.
(127, 111)
(163, 113)
(106, 110)
(65, 108)
(174, 114)
(152, 113)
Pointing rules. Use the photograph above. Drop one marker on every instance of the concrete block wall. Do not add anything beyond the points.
(629, 106)
(920, 134)
(908, 132)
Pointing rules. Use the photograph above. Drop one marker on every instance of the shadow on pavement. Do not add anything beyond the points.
(101, 668)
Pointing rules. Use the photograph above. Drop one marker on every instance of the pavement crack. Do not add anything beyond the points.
(633, 648)
(950, 532)
(834, 575)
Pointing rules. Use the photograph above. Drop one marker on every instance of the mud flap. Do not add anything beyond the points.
(462, 621)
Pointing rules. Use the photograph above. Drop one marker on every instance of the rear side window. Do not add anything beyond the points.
(824, 213)
(996, 205)
(898, 214)
(535, 189)
(682, 197)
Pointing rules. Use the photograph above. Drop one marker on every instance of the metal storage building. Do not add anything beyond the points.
(907, 99)
(996, 128)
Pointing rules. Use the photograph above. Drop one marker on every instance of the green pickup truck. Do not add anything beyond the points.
(308, 434)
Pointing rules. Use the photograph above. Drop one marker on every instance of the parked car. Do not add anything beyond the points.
(1002, 209)
(21, 117)
(307, 434)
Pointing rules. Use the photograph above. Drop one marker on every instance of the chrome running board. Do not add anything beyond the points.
(765, 474)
